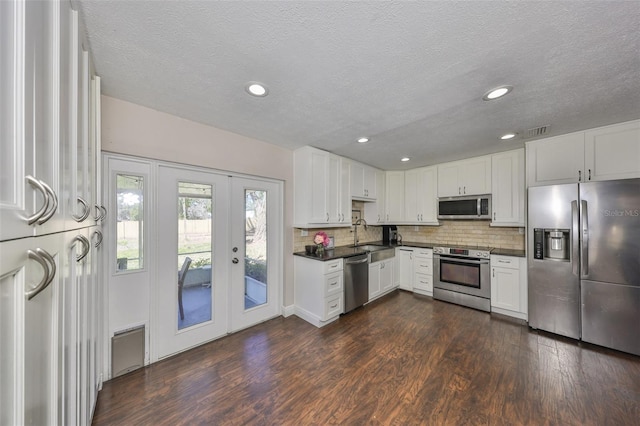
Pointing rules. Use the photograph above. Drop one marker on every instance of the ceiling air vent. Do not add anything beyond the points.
(536, 131)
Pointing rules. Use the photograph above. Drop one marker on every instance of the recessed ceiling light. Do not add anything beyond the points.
(256, 89)
(496, 93)
(405, 159)
(363, 140)
(508, 136)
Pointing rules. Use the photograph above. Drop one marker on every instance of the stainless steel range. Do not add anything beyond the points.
(461, 275)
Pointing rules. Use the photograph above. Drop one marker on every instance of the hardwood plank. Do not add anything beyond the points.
(402, 360)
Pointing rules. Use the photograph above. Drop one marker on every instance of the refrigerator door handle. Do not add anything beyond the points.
(575, 240)
(584, 228)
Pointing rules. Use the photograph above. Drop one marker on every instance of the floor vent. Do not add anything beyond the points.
(536, 131)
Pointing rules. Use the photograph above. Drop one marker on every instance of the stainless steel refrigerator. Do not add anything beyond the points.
(584, 262)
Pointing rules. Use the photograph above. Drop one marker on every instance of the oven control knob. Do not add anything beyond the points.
(479, 254)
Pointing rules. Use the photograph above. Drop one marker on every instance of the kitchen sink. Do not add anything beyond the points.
(370, 247)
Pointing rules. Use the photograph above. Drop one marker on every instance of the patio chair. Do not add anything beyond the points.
(181, 277)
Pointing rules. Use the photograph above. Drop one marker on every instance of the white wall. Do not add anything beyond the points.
(136, 130)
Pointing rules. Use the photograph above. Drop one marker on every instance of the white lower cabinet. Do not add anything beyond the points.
(423, 271)
(381, 278)
(509, 286)
(405, 268)
(319, 290)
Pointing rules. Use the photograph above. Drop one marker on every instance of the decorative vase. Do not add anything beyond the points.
(320, 250)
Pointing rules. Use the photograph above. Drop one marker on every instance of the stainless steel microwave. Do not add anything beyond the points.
(466, 207)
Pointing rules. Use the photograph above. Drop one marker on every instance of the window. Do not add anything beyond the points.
(129, 222)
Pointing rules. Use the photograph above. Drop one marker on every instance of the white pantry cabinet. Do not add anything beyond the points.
(508, 189)
(509, 286)
(465, 177)
(420, 197)
(50, 360)
(321, 189)
(319, 290)
(604, 153)
(394, 199)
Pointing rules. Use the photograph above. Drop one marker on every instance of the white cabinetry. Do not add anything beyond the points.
(363, 182)
(375, 212)
(319, 290)
(423, 271)
(394, 200)
(405, 268)
(509, 286)
(466, 177)
(604, 153)
(381, 278)
(321, 189)
(420, 197)
(50, 343)
(508, 188)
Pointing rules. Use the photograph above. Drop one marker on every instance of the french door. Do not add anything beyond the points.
(219, 260)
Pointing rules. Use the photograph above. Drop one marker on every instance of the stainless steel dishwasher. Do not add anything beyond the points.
(356, 281)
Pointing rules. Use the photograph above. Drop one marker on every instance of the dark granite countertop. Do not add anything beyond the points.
(348, 251)
(508, 252)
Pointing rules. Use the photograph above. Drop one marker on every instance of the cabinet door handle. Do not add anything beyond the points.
(98, 214)
(327, 217)
(494, 215)
(100, 237)
(579, 175)
(51, 196)
(38, 214)
(459, 191)
(49, 272)
(85, 247)
(85, 211)
(464, 189)
(589, 174)
(493, 272)
(104, 213)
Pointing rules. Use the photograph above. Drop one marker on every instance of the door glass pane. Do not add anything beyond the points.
(194, 267)
(255, 262)
(130, 223)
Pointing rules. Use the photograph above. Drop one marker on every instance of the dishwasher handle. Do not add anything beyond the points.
(355, 262)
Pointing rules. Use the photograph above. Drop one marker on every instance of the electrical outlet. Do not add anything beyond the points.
(304, 233)
(521, 231)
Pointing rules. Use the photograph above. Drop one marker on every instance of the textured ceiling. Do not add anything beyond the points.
(410, 75)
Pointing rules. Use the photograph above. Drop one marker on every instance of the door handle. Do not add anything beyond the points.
(38, 214)
(85, 211)
(51, 196)
(235, 260)
(49, 272)
(584, 228)
(100, 236)
(574, 238)
(104, 213)
(85, 247)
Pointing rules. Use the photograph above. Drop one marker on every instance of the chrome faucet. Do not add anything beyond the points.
(355, 230)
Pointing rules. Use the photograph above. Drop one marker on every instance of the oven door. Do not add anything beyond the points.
(462, 275)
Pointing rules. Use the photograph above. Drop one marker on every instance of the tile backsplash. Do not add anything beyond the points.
(467, 233)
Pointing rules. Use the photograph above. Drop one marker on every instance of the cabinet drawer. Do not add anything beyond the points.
(505, 262)
(428, 253)
(423, 265)
(332, 266)
(332, 306)
(423, 282)
(333, 283)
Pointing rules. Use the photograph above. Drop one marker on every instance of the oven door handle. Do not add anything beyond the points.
(461, 260)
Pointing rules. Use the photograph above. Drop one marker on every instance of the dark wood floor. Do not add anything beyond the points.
(402, 360)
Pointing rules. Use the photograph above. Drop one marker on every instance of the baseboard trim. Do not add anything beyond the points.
(287, 311)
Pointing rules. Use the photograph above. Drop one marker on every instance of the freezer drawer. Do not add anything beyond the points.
(611, 315)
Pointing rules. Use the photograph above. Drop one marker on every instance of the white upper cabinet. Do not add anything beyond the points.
(394, 199)
(604, 153)
(321, 189)
(466, 177)
(555, 160)
(420, 196)
(613, 152)
(363, 182)
(508, 191)
(374, 212)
